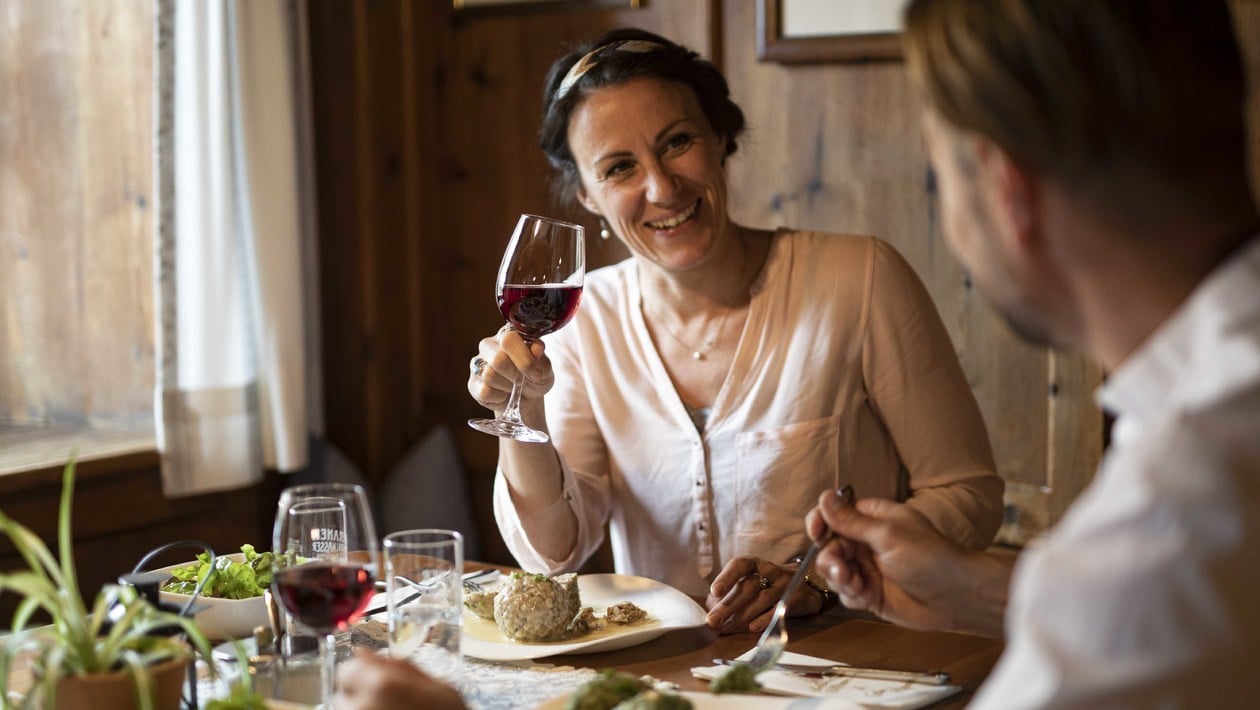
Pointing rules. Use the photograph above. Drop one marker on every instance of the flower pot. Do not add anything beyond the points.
(115, 691)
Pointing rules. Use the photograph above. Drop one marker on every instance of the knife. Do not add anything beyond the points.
(838, 671)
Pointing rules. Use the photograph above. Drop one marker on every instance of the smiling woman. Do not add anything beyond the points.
(712, 384)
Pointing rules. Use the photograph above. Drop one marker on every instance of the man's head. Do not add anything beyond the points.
(1106, 101)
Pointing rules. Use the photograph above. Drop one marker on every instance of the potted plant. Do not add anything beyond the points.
(122, 644)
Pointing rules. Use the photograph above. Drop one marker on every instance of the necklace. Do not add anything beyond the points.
(697, 354)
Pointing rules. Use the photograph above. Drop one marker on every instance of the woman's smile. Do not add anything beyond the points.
(669, 224)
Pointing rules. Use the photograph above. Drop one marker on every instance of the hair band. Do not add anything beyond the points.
(588, 61)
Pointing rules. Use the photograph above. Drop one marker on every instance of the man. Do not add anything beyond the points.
(1092, 168)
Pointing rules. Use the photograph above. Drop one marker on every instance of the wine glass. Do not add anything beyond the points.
(323, 563)
(539, 286)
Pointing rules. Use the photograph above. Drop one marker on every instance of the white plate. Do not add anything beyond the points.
(668, 609)
(709, 701)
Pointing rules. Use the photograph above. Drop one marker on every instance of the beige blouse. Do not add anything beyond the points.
(844, 373)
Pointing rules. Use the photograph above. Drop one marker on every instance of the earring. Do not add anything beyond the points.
(604, 232)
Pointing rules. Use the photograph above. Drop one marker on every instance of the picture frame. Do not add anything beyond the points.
(834, 30)
(508, 7)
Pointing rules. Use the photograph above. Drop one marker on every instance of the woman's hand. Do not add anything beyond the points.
(372, 682)
(743, 595)
(499, 359)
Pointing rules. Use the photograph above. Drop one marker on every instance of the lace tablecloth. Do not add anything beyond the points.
(484, 685)
(507, 686)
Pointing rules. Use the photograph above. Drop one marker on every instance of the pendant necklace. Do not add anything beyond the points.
(698, 354)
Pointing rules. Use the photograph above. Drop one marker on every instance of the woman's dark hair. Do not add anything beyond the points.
(611, 61)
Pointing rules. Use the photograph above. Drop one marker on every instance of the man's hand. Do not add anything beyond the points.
(888, 559)
(371, 682)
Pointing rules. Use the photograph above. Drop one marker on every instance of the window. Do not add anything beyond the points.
(76, 223)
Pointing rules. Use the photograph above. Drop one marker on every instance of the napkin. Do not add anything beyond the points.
(867, 692)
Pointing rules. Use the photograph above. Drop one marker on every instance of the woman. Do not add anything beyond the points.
(713, 383)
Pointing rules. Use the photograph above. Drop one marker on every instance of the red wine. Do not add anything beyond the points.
(326, 597)
(535, 311)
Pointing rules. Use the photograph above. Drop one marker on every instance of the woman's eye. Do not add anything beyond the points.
(682, 140)
(618, 168)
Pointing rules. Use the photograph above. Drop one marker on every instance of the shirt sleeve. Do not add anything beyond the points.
(583, 462)
(917, 387)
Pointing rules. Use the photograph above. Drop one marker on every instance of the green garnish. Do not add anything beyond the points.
(739, 678)
(605, 690)
(230, 579)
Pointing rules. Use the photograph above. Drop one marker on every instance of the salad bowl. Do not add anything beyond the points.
(219, 618)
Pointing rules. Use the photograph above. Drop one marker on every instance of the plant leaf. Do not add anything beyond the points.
(70, 579)
(31, 548)
(139, 672)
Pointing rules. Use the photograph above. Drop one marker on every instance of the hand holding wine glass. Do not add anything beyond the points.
(538, 289)
(324, 562)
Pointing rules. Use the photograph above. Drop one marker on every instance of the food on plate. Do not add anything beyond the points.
(481, 604)
(605, 691)
(625, 613)
(654, 700)
(585, 622)
(229, 579)
(535, 607)
(618, 690)
(739, 678)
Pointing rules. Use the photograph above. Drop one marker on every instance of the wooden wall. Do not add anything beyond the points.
(425, 125)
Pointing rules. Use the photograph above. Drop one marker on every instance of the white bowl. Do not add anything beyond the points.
(222, 619)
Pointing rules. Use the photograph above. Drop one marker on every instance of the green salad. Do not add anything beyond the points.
(229, 579)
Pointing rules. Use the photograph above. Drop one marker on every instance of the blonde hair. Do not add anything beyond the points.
(1087, 89)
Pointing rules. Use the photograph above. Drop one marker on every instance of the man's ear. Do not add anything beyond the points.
(1014, 190)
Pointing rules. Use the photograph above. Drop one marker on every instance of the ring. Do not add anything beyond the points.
(762, 581)
(478, 364)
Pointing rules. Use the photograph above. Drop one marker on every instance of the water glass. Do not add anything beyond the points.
(424, 582)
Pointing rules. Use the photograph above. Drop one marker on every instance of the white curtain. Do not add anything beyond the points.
(236, 388)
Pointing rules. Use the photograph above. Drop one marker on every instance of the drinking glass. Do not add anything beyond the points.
(323, 563)
(424, 582)
(538, 289)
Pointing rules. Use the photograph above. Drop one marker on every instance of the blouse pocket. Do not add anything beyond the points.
(781, 472)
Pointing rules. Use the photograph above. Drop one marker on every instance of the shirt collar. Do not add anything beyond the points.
(1150, 376)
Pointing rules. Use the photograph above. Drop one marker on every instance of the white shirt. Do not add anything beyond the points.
(843, 374)
(1147, 594)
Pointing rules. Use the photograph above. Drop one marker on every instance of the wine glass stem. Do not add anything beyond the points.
(328, 668)
(512, 412)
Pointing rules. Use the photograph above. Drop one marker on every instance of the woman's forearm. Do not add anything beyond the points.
(968, 511)
(535, 482)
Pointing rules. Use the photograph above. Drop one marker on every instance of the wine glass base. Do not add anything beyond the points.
(509, 430)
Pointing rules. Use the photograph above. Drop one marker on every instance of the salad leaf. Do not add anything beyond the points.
(229, 579)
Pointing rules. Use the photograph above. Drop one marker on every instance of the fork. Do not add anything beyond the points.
(774, 639)
(422, 587)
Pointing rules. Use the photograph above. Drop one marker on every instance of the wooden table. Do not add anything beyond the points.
(856, 639)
